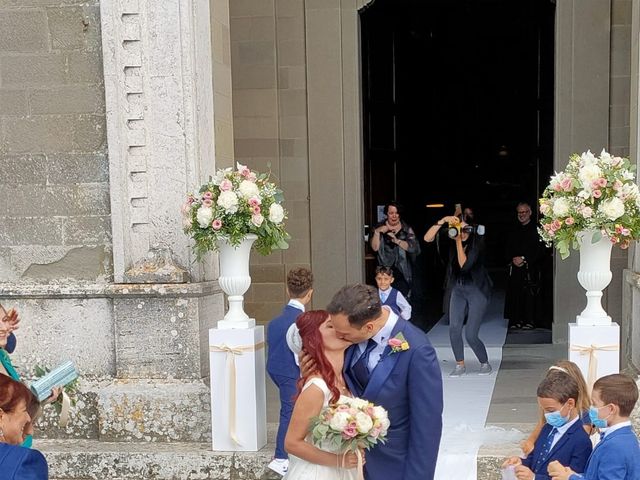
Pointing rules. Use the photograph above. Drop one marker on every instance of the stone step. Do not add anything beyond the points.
(91, 459)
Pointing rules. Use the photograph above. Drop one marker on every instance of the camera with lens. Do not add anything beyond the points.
(455, 230)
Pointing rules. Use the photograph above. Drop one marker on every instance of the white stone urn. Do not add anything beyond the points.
(235, 280)
(594, 276)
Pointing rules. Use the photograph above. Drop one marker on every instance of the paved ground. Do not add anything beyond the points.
(514, 396)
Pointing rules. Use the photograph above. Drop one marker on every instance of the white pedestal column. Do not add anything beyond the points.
(238, 391)
(595, 349)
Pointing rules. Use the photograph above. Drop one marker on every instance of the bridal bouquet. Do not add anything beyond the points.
(593, 193)
(350, 424)
(233, 204)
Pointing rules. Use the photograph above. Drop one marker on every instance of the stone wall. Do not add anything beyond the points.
(270, 129)
(54, 192)
(619, 118)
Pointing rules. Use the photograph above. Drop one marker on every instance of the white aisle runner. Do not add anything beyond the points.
(467, 399)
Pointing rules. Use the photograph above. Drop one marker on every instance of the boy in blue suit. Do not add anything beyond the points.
(282, 365)
(406, 381)
(562, 438)
(390, 296)
(617, 456)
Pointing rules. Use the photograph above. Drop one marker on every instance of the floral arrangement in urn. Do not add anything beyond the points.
(596, 193)
(232, 205)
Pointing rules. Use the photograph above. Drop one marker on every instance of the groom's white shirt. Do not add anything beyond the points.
(381, 338)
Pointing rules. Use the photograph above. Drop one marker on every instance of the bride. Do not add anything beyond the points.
(322, 387)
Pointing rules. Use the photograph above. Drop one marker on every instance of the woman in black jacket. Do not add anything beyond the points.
(470, 291)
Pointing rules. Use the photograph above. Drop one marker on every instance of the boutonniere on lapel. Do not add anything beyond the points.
(398, 343)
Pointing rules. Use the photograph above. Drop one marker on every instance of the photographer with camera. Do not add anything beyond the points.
(396, 246)
(470, 289)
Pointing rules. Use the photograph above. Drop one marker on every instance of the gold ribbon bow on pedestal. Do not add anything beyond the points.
(231, 369)
(593, 359)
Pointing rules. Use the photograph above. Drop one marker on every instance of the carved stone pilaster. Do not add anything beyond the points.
(159, 121)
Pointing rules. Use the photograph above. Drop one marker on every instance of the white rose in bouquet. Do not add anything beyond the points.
(561, 207)
(248, 189)
(359, 402)
(229, 201)
(276, 213)
(363, 422)
(204, 216)
(612, 208)
(339, 421)
(588, 174)
(380, 412)
(257, 219)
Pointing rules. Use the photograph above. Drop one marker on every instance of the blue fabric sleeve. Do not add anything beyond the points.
(11, 343)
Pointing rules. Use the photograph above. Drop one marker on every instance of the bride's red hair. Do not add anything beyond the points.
(309, 327)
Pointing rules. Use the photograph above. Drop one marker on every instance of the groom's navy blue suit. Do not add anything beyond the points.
(409, 385)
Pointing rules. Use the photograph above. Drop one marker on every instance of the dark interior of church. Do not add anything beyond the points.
(458, 103)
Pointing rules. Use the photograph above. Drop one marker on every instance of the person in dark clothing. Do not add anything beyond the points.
(470, 291)
(524, 254)
(396, 246)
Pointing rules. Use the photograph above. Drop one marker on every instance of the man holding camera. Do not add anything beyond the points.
(396, 246)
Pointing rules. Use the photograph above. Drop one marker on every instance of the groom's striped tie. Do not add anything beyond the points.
(361, 367)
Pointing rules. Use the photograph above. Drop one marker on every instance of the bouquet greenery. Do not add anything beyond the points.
(592, 193)
(232, 205)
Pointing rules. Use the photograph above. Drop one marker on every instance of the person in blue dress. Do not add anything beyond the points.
(18, 406)
(8, 323)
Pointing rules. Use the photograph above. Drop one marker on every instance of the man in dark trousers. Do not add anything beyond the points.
(524, 253)
(282, 364)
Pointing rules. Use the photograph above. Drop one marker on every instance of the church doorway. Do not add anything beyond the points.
(458, 107)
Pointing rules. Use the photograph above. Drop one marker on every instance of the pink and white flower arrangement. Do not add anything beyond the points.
(350, 424)
(593, 193)
(233, 204)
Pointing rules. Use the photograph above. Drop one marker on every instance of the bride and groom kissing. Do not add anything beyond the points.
(359, 348)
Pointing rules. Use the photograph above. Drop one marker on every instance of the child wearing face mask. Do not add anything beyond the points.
(583, 404)
(562, 438)
(617, 456)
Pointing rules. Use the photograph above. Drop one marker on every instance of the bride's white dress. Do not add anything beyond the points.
(300, 469)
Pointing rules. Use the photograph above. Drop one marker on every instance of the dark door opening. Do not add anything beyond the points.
(458, 108)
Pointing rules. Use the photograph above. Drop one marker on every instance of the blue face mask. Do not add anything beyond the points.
(595, 420)
(555, 419)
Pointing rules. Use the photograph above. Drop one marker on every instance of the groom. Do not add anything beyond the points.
(405, 380)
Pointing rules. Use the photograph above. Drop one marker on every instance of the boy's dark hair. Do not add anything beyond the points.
(384, 270)
(360, 303)
(299, 281)
(618, 389)
(558, 385)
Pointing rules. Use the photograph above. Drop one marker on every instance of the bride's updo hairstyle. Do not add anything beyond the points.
(309, 328)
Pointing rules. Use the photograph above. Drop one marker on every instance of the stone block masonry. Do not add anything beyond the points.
(54, 190)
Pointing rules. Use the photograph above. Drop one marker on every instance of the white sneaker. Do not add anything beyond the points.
(485, 369)
(279, 465)
(459, 371)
